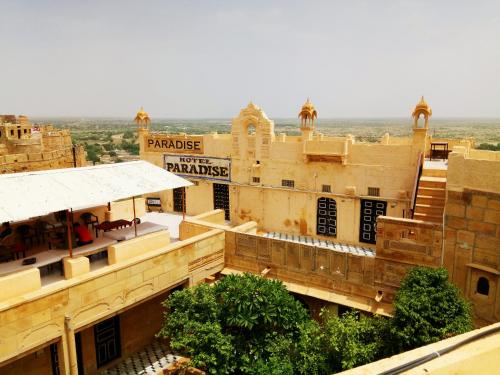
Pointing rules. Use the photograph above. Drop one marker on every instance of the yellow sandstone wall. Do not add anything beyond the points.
(34, 318)
(480, 356)
(472, 231)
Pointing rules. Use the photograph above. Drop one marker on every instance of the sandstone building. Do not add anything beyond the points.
(337, 220)
(435, 202)
(28, 147)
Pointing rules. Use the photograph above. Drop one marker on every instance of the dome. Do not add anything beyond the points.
(308, 111)
(422, 107)
(142, 117)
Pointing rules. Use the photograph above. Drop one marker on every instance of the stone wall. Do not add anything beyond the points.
(403, 244)
(472, 248)
(36, 161)
(55, 311)
(313, 267)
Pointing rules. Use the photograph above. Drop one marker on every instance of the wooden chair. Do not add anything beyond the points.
(27, 234)
(14, 246)
(90, 219)
(43, 230)
(5, 254)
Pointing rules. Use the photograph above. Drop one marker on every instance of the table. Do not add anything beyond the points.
(439, 150)
(116, 224)
(43, 259)
(50, 257)
(97, 246)
(129, 232)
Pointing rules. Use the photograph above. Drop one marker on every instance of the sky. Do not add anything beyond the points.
(209, 59)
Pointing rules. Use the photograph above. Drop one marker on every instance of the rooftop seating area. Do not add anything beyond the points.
(45, 249)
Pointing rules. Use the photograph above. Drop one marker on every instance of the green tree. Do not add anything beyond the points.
(243, 324)
(108, 146)
(131, 147)
(128, 134)
(489, 146)
(428, 308)
(353, 340)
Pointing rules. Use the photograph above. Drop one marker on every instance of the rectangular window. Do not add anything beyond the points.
(374, 191)
(12, 132)
(288, 183)
(256, 180)
(326, 188)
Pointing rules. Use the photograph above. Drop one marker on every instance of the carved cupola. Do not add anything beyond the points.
(421, 109)
(307, 116)
(142, 119)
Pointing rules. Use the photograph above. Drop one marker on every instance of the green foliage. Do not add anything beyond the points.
(94, 152)
(353, 340)
(243, 324)
(489, 146)
(428, 308)
(108, 146)
(251, 325)
(128, 134)
(131, 147)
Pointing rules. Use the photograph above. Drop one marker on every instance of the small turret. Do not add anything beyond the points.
(307, 116)
(142, 119)
(422, 108)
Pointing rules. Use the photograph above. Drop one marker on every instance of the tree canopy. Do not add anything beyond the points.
(428, 308)
(246, 324)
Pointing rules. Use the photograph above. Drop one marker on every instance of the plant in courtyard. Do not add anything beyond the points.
(243, 324)
(428, 308)
(251, 325)
(353, 340)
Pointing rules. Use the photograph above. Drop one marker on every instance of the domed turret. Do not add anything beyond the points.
(142, 118)
(422, 108)
(307, 115)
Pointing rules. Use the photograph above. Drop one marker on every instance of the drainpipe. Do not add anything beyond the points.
(70, 338)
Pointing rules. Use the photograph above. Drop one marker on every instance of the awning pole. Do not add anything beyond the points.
(68, 228)
(135, 223)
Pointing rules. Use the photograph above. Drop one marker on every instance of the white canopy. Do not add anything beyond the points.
(30, 194)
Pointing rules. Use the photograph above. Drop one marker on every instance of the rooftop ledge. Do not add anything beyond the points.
(26, 285)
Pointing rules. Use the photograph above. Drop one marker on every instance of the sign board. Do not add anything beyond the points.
(189, 144)
(153, 202)
(199, 167)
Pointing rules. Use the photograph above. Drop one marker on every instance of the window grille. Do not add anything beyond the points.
(288, 183)
(326, 189)
(256, 180)
(374, 191)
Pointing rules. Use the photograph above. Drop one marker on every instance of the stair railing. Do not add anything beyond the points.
(418, 173)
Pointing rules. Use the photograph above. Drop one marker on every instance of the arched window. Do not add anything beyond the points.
(483, 286)
(251, 129)
(326, 218)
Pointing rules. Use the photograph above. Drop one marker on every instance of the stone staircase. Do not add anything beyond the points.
(431, 196)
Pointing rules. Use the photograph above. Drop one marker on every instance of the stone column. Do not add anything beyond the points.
(71, 345)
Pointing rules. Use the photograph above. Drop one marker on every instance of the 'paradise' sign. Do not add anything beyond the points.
(177, 144)
(199, 167)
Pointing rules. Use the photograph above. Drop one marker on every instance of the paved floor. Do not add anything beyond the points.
(149, 360)
(306, 240)
(436, 164)
(169, 219)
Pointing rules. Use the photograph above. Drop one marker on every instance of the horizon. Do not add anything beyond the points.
(209, 59)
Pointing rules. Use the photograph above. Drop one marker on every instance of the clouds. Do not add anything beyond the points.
(209, 58)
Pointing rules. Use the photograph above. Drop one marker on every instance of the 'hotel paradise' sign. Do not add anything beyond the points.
(177, 144)
(199, 167)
